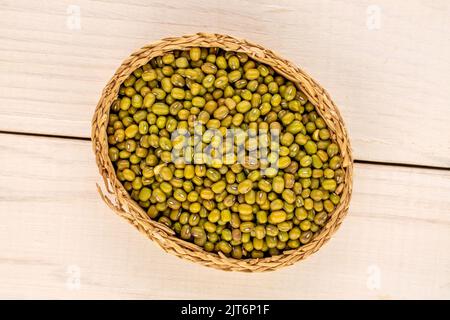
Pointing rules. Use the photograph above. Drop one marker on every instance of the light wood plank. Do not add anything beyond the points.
(390, 83)
(55, 225)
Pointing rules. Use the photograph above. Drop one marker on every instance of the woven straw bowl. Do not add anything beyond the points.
(118, 199)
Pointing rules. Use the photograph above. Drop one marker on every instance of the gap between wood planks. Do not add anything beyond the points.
(381, 163)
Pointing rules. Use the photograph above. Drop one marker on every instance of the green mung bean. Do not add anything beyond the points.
(253, 209)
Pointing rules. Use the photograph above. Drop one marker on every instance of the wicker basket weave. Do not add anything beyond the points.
(117, 198)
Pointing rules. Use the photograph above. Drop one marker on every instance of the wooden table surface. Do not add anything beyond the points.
(385, 63)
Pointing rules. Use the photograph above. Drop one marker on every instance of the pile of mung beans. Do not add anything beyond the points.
(224, 206)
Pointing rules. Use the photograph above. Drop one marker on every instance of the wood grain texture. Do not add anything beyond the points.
(389, 79)
(55, 229)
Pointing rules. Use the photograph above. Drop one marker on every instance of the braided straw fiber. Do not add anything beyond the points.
(118, 199)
